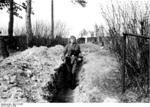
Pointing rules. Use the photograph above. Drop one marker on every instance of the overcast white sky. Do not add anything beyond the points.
(74, 16)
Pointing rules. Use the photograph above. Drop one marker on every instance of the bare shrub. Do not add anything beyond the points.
(130, 17)
(42, 34)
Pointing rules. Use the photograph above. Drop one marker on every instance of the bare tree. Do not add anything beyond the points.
(28, 21)
(81, 2)
(60, 29)
(13, 9)
(99, 32)
(11, 18)
(52, 18)
(83, 32)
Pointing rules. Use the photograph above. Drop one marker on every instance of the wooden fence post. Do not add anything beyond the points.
(124, 63)
(148, 73)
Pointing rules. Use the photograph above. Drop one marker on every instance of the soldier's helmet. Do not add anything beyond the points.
(72, 39)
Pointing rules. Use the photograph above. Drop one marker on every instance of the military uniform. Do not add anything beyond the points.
(73, 49)
(72, 52)
(70, 56)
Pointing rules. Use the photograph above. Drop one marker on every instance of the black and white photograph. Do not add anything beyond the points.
(74, 51)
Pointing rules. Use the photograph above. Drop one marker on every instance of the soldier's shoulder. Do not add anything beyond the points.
(78, 45)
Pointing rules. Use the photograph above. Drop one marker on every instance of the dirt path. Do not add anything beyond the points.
(98, 79)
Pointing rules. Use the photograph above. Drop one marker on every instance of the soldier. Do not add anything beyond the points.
(70, 56)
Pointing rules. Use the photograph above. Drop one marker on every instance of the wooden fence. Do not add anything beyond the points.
(125, 35)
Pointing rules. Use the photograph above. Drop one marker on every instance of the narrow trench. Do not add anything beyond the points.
(64, 93)
(64, 96)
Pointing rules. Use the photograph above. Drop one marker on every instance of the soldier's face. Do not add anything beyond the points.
(71, 41)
